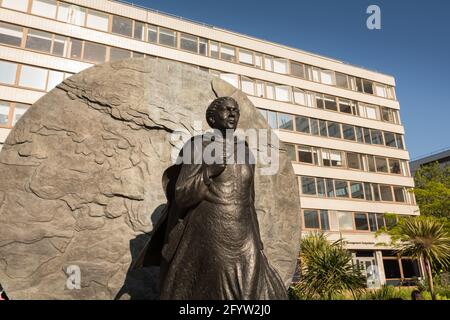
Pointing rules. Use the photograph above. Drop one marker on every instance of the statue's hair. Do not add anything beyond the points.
(213, 107)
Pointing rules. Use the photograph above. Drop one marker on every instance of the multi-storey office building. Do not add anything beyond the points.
(341, 122)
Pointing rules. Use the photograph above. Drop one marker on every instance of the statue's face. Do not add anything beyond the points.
(227, 116)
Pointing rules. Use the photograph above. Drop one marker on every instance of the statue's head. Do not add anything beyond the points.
(223, 113)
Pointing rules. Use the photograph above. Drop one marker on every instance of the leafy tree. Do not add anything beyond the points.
(326, 269)
(432, 190)
(422, 237)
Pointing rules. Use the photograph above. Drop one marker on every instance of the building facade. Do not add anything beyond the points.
(340, 122)
(441, 157)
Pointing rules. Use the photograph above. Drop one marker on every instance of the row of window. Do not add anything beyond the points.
(268, 90)
(61, 46)
(30, 77)
(90, 18)
(330, 129)
(400, 270)
(97, 53)
(10, 113)
(334, 188)
(345, 159)
(327, 220)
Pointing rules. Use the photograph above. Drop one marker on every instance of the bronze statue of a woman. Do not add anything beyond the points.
(208, 240)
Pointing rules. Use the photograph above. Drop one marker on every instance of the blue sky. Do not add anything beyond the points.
(413, 45)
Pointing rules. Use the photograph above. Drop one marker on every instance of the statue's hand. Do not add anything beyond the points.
(214, 170)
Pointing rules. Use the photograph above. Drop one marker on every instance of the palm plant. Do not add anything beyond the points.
(326, 269)
(425, 238)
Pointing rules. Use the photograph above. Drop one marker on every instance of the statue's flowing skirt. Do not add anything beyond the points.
(220, 257)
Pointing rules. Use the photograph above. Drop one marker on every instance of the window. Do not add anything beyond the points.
(259, 89)
(387, 115)
(285, 121)
(399, 140)
(349, 132)
(302, 124)
(20, 5)
(341, 187)
(39, 40)
(371, 112)
(305, 155)
(359, 134)
(345, 220)
(381, 164)
(391, 268)
(320, 103)
(330, 188)
(353, 160)
(330, 103)
(410, 268)
(167, 37)
(334, 130)
(45, 8)
(311, 218)
(280, 65)
(282, 93)
(394, 166)
(94, 52)
(308, 185)
(299, 97)
(389, 138)
(367, 191)
(268, 63)
(188, 43)
(314, 127)
(71, 14)
(214, 50)
(326, 77)
(386, 193)
(152, 34)
(399, 194)
(245, 57)
(371, 163)
(332, 157)
(376, 192)
(297, 69)
(118, 54)
(60, 45)
(138, 32)
(272, 119)
(373, 222)
(324, 220)
(341, 80)
(54, 78)
(10, 34)
(227, 53)
(97, 20)
(323, 128)
(357, 190)
(4, 113)
(361, 222)
(248, 86)
(321, 191)
(290, 149)
(19, 111)
(270, 91)
(344, 106)
(32, 77)
(367, 138)
(203, 47)
(123, 26)
(380, 90)
(380, 221)
(8, 72)
(76, 48)
(377, 136)
(231, 78)
(258, 60)
(368, 86)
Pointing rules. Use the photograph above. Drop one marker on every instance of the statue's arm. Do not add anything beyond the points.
(191, 186)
